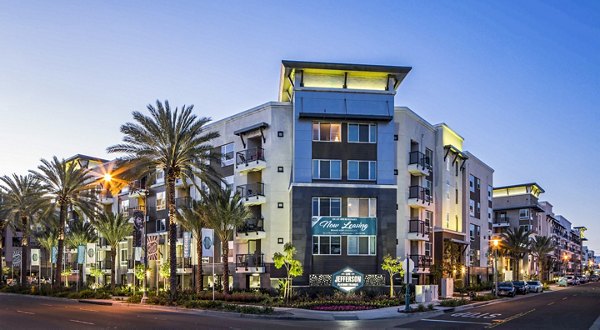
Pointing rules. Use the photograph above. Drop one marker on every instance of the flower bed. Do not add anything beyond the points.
(341, 308)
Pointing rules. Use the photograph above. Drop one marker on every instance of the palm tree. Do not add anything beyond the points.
(3, 223)
(194, 219)
(226, 211)
(80, 233)
(22, 199)
(540, 247)
(68, 185)
(47, 237)
(516, 242)
(113, 228)
(174, 142)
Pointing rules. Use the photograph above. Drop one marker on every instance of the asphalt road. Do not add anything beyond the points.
(575, 307)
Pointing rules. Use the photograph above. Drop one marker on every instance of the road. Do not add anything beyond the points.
(573, 308)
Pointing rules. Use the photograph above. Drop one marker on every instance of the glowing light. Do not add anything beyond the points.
(107, 177)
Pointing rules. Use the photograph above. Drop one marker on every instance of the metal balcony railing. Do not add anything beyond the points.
(252, 224)
(186, 263)
(420, 193)
(418, 226)
(249, 260)
(183, 202)
(419, 158)
(420, 260)
(251, 189)
(249, 155)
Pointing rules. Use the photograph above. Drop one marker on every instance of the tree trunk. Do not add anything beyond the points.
(225, 258)
(391, 285)
(172, 234)
(199, 275)
(61, 238)
(113, 269)
(24, 251)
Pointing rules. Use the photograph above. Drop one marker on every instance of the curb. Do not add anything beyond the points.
(95, 302)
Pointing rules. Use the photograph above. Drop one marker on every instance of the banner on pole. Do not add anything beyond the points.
(54, 254)
(138, 228)
(137, 254)
(208, 243)
(16, 257)
(81, 254)
(35, 257)
(152, 247)
(187, 244)
(90, 253)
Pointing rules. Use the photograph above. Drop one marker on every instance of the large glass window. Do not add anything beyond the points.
(361, 245)
(524, 214)
(327, 132)
(161, 201)
(471, 183)
(362, 133)
(327, 169)
(161, 225)
(326, 207)
(471, 207)
(362, 207)
(327, 245)
(362, 170)
(227, 154)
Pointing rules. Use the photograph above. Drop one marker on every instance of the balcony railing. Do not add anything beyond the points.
(106, 264)
(418, 226)
(252, 224)
(417, 157)
(249, 155)
(251, 190)
(186, 263)
(183, 202)
(421, 261)
(249, 260)
(420, 193)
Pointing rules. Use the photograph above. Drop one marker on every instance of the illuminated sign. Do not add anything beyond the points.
(347, 280)
(344, 226)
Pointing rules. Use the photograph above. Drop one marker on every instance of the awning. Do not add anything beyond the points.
(251, 128)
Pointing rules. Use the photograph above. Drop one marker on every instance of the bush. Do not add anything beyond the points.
(484, 297)
(421, 308)
(430, 307)
(134, 299)
(453, 302)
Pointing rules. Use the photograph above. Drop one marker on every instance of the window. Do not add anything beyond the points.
(456, 195)
(125, 207)
(362, 207)
(161, 225)
(478, 183)
(362, 170)
(227, 154)
(327, 132)
(361, 245)
(428, 218)
(428, 156)
(489, 214)
(490, 193)
(428, 249)
(524, 214)
(471, 183)
(474, 231)
(161, 201)
(327, 245)
(326, 207)
(327, 169)
(428, 185)
(471, 207)
(124, 257)
(160, 176)
(362, 133)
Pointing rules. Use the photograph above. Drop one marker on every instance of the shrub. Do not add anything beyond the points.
(453, 302)
(134, 299)
(421, 308)
(484, 297)
(430, 307)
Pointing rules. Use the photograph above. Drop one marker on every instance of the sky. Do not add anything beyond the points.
(519, 80)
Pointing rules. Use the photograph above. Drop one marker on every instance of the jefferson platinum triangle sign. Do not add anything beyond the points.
(344, 226)
(347, 280)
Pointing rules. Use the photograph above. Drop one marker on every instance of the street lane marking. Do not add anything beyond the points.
(30, 313)
(449, 321)
(47, 305)
(550, 303)
(87, 310)
(82, 322)
(516, 316)
(565, 298)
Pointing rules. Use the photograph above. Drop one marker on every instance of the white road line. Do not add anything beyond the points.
(565, 298)
(30, 313)
(551, 303)
(87, 310)
(449, 321)
(82, 322)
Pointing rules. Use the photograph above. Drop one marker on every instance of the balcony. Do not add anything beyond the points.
(252, 229)
(419, 196)
(106, 199)
(252, 193)
(249, 263)
(501, 223)
(422, 262)
(132, 210)
(250, 160)
(418, 230)
(183, 202)
(419, 164)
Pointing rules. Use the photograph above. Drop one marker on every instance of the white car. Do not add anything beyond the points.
(535, 286)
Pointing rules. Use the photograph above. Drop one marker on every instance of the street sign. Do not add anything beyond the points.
(347, 280)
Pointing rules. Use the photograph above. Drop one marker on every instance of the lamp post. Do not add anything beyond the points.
(566, 258)
(144, 294)
(495, 242)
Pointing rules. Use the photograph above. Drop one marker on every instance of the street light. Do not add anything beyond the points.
(566, 258)
(496, 242)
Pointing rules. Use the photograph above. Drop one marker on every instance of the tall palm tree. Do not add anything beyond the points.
(47, 237)
(69, 187)
(80, 233)
(3, 223)
(113, 228)
(22, 199)
(194, 219)
(226, 211)
(174, 142)
(540, 247)
(516, 242)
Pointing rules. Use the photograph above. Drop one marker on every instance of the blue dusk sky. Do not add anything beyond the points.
(519, 80)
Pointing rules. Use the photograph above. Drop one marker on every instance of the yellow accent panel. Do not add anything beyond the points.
(450, 137)
(518, 190)
(335, 79)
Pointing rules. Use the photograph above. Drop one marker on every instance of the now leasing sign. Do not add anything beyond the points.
(344, 226)
(347, 279)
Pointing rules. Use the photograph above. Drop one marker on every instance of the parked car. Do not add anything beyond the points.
(535, 286)
(562, 281)
(506, 289)
(594, 278)
(571, 280)
(582, 279)
(521, 287)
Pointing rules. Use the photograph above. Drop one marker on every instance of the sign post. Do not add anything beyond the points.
(409, 266)
(208, 249)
